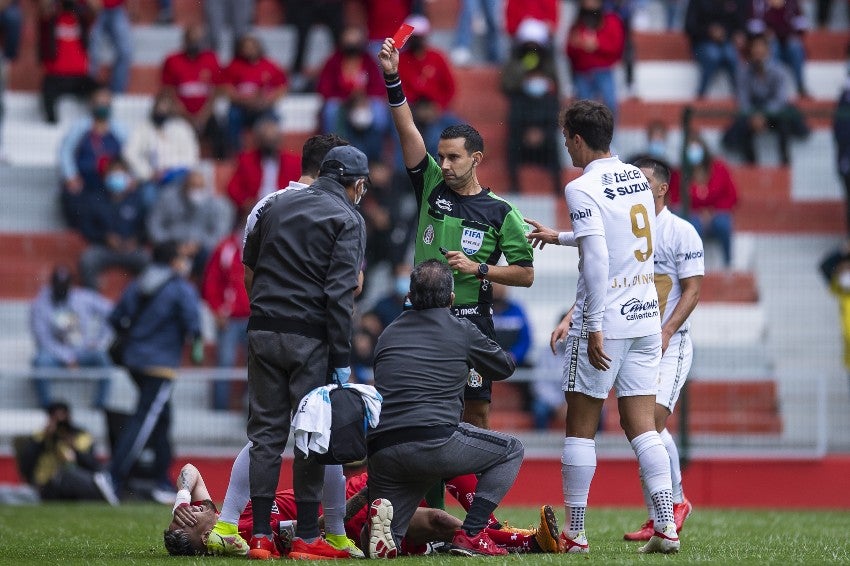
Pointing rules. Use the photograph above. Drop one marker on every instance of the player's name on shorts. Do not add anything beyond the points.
(634, 309)
(642, 279)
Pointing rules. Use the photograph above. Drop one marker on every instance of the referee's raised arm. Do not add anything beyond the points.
(412, 145)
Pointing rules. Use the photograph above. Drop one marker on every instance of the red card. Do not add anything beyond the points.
(402, 35)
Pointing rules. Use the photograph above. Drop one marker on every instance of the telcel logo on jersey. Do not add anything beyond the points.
(693, 255)
(633, 309)
(586, 213)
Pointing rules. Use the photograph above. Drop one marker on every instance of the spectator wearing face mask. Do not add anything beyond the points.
(164, 310)
(531, 84)
(161, 151)
(63, 39)
(657, 143)
(595, 45)
(117, 231)
(764, 105)
(835, 269)
(712, 193)
(70, 330)
(192, 214)
(194, 76)
(89, 146)
(254, 84)
(352, 87)
(264, 169)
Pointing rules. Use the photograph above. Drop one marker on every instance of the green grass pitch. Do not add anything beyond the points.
(70, 534)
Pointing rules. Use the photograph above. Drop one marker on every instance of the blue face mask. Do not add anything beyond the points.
(117, 182)
(536, 86)
(402, 285)
(657, 148)
(695, 153)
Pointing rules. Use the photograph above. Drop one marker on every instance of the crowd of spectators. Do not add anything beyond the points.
(127, 191)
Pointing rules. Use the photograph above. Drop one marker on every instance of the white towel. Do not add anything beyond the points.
(312, 421)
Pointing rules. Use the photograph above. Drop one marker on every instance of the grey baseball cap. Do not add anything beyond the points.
(345, 160)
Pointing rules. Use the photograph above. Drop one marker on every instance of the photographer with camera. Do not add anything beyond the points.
(59, 461)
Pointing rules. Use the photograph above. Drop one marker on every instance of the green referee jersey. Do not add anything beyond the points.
(483, 226)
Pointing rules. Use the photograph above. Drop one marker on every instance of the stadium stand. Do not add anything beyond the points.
(747, 348)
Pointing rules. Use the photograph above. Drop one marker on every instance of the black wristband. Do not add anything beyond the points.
(395, 94)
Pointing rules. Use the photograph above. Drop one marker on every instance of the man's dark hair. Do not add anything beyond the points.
(165, 252)
(431, 285)
(177, 543)
(472, 140)
(314, 151)
(57, 406)
(660, 170)
(592, 120)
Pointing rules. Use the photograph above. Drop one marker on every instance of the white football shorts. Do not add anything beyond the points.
(633, 367)
(674, 369)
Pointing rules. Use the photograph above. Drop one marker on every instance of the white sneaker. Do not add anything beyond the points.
(381, 542)
(665, 541)
(104, 485)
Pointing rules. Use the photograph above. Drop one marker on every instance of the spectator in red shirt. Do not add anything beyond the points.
(353, 89)
(63, 41)
(383, 17)
(265, 169)
(424, 70)
(254, 84)
(712, 194)
(594, 46)
(516, 11)
(11, 25)
(113, 22)
(223, 288)
(194, 75)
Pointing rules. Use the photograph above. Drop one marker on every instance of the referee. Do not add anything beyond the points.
(302, 260)
(461, 220)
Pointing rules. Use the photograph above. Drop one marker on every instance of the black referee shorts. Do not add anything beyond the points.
(484, 322)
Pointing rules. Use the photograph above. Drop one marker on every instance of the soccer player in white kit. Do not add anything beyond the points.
(615, 338)
(679, 269)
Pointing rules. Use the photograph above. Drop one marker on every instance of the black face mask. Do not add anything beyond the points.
(59, 291)
(69, 4)
(193, 49)
(590, 18)
(416, 43)
(159, 118)
(268, 149)
(351, 50)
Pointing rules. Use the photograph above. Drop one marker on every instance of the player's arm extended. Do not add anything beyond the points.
(594, 253)
(687, 303)
(412, 145)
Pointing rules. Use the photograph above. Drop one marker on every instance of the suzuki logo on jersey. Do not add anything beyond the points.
(633, 309)
(627, 190)
(443, 204)
(471, 241)
(586, 213)
(694, 255)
